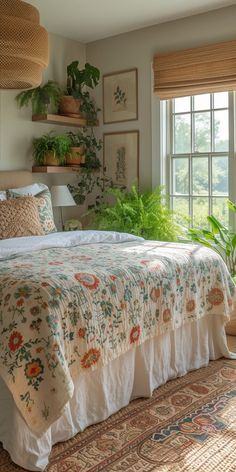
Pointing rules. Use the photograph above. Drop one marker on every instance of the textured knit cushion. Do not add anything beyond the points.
(19, 217)
(43, 196)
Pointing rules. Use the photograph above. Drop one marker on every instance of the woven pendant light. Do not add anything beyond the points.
(23, 45)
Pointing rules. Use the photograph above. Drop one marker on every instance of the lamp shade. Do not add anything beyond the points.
(61, 196)
(23, 46)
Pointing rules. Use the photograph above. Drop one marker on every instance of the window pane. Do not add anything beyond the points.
(181, 207)
(182, 134)
(202, 132)
(200, 212)
(180, 176)
(220, 210)
(181, 104)
(221, 130)
(202, 102)
(221, 100)
(200, 176)
(220, 173)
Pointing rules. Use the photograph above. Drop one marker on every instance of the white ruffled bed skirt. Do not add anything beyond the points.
(106, 390)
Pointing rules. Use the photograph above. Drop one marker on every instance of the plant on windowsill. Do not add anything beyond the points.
(51, 150)
(42, 99)
(77, 102)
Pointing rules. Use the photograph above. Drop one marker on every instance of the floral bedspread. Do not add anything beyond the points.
(64, 311)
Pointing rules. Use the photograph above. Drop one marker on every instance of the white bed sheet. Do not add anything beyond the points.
(9, 247)
(106, 390)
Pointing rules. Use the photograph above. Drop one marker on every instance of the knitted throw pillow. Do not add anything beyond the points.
(42, 193)
(19, 217)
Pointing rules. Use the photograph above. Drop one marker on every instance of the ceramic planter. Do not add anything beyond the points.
(76, 156)
(51, 159)
(70, 106)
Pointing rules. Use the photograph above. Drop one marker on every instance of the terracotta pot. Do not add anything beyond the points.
(69, 106)
(76, 156)
(51, 159)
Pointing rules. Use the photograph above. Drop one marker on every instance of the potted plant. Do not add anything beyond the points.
(76, 156)
(84, 150)
(143, 214)
(51, 150)
(219, 238)
(76, 99)
(41, 98)
(222, 240)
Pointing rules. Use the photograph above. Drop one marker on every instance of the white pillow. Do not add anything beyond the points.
(3, 195)
(29, 190)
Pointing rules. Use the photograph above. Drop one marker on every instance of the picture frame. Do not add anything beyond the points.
(121, 157)
(120, 96)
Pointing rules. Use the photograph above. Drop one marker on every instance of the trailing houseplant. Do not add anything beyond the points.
(51, 150)
(41, 98)
(220, 238)
(77, 98)
(143, 214)
(88, 146)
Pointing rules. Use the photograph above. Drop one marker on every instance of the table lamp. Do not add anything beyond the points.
(61, 197)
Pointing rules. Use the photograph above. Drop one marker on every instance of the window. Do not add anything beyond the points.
(199, 156)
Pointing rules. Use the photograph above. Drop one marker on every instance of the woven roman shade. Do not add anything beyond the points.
(23, 45)
(194, 71)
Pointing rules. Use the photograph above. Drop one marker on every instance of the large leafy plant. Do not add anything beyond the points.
(143, 214)
(78, 80)
(41, 98)
(220, 238)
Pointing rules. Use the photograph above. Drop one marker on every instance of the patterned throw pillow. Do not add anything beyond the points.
(19, 217)
(42, 193)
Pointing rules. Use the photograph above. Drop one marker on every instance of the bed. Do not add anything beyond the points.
(90, 320)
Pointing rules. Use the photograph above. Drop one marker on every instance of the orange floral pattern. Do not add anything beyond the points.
(135, 334)
(72, 309)
(90, 358)
(216, 296)
(15, 341)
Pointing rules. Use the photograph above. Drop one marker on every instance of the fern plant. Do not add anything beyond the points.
(143, 214)
(59, 145)
(41, 97)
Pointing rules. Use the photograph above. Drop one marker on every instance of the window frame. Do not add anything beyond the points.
(166, 114)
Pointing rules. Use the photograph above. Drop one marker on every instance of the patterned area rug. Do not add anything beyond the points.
(189, 425)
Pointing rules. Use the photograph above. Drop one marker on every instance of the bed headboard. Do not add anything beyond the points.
(14, 179)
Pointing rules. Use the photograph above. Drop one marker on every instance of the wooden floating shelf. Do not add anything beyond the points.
(61, 120)
(55, 169)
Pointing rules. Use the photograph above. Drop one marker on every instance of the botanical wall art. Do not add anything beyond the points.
(120, 96)
(121, 157)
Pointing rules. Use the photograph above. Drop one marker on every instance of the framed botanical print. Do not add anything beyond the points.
(120, 96)
(121, 157)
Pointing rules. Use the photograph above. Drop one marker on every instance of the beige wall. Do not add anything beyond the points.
(16, 126)
(136, 49)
